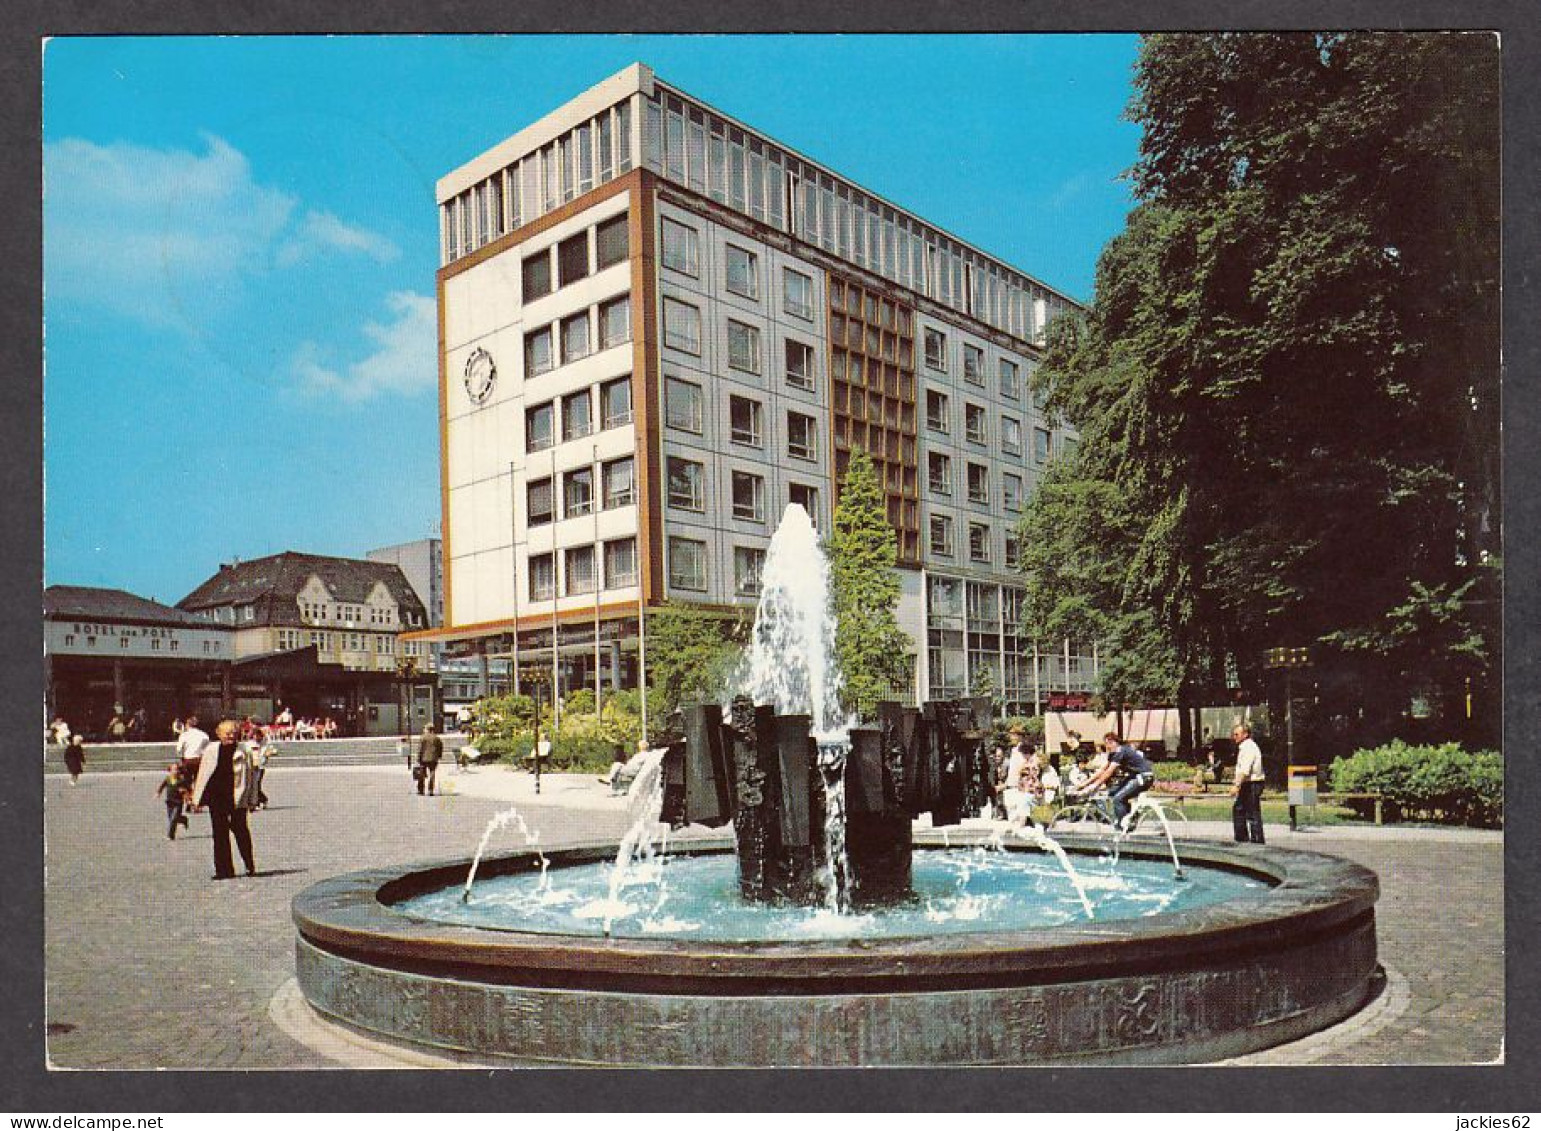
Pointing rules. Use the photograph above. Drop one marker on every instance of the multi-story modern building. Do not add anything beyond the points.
(462, 679)
(658, 327)
(323, 636)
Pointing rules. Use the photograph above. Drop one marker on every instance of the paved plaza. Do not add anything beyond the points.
(150, 964)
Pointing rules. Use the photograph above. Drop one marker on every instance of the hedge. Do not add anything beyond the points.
(1445, 783)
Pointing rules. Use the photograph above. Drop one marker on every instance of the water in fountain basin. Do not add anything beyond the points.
(644, 803)
(531, 838)
(1004, 891)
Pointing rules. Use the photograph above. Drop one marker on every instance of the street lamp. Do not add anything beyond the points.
(537, 678)
(1289, 660)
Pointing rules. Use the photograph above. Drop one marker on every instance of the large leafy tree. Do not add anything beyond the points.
(1286, 387)
(873, 652)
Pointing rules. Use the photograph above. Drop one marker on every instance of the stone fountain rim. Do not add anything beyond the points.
(1311, 894)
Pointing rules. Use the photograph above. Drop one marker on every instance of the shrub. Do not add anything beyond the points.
(1173, 770)
(1444, 783)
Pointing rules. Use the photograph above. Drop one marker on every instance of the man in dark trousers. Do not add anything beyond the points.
(221, 781)
(429, 751)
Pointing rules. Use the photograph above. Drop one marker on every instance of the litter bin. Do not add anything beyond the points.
(1302, 790)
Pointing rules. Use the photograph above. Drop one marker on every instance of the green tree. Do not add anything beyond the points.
(690, 654)
(872, 650)
(1286, 386)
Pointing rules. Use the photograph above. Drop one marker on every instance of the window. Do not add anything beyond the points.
(936, 412)
(681, 326)
(576, 422)
(799, 364)
(1042, 448)
(681, 248)
(537, 275)
(941, 535)
(973, 365)
(578, 571)
(682, 404)
(974, 423)
(940, 473)
(620, 563)
(572, 259)
(538, 502)
(537, 352)
(797, 293)
(1011, 380)
(687, 564)
(615, 322)
(619, 483)
(540, 427)
(615, 403)
(936, 350)
(1011, 436)
(1013, 557)
(979, 542)
(744, 419)
(611, 245)
(1011, 491)
(748, 564)
(978, 484)
(743, 272)
(575, 337)
(577, 492)
(743, 347)
(802, 439)
(805, 497)
(748, 496)
(687, 484)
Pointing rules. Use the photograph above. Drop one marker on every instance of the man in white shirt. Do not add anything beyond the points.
(191, 741)
(1247, 809)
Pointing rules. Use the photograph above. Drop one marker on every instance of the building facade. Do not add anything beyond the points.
(463, 679)
(658, 328)
(324, 636)
(109, 652)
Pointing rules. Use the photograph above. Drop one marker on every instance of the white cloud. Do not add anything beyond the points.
(320, 232)
(403, 357)
(170, 236)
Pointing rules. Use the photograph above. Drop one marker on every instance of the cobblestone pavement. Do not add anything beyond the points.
(149, 963)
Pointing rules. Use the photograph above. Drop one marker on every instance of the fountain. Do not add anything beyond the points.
(818, 927)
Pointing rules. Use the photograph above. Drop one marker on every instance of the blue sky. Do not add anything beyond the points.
(240, 244)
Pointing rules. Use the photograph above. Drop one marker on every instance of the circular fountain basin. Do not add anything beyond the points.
(1293, 952)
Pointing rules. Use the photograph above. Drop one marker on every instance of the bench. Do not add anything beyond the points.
(1378, 799)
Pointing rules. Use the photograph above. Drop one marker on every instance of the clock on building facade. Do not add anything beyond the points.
(481, 374)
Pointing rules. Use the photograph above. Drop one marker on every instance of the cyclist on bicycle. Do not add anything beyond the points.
(1138, 776)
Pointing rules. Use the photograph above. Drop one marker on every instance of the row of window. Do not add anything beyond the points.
(313, 610)
(173, 645)
(576, 414)
(575, 258)
(680, 250)
(682, 331)
(684, 410)
(573, 337)
(1008, 372)
(979, 542)
(617, 479)
(579, 569)
(688, 567)
(976, 427)
(586, 156)
(940, 480)
(693, 146)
